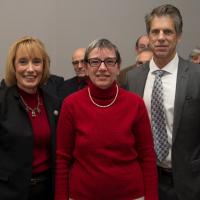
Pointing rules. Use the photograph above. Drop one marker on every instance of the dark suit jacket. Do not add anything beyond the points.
(2, 84)
(186, 126)
(71, 85)
(121, 79)
(16, 143)
(53, 84)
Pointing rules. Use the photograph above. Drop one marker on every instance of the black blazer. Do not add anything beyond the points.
(16, 143)
(71, 85)
(53, 85)
(186, 126)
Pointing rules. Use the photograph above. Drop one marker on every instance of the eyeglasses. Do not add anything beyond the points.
(139, 63)
(96, 62)
(77, 62)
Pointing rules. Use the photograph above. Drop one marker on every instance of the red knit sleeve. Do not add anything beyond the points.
(146, 154)
(64, 149)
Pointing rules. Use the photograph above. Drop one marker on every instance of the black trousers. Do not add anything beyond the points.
(41, 187)
(166, 185)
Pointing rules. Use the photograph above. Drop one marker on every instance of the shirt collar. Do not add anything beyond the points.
(171, 67)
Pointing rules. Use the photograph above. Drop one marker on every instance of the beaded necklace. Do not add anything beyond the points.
(103, 106)
(34, 111)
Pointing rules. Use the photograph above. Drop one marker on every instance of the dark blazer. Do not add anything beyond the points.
(121, 78)
(16, 143)
(186, 126)
(53, 84)
(2, 83)
(71, 85)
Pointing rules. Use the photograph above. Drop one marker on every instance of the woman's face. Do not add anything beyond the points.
(102, 74)
(28, 70)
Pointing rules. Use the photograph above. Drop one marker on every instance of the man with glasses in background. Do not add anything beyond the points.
(141, 43)
(79, 81)
(144, 56)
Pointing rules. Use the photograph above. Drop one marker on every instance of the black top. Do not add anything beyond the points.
(72, 85)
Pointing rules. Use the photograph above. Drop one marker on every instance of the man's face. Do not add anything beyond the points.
(196, 59)
(78, 62)
(163, 39)
(143, 57)
(143, 43)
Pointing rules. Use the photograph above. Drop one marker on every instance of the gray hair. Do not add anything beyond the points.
(194, 52)
(165, 10)
(101, 44)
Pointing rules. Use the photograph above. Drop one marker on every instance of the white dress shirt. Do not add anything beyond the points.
(169, 90)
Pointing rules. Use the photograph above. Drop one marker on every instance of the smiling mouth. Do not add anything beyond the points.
(30, 77)
(102, 77)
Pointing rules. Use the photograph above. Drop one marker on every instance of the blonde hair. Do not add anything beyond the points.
(32, 46)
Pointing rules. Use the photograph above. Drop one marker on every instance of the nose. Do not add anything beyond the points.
(102, 66)
(80, 64)
(161, 35)
(30, 66)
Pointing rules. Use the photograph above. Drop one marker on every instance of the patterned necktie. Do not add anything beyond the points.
(161, 144)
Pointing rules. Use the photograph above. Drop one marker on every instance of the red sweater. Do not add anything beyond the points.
(41, 134)
(105, 153)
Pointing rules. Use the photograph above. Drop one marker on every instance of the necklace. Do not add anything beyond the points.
(106, 106)
(34, 111)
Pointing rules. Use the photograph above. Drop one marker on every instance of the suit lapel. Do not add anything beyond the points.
(181, 86)
(142, 80)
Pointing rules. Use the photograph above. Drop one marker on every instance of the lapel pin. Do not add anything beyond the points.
(55, 112)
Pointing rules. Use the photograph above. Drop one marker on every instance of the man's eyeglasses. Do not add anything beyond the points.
(96, 62)
(77, 62)
(139, 63)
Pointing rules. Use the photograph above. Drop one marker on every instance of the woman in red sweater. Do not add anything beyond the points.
(104, 140)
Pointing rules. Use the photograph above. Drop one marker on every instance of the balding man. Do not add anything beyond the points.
(195, 55)
(78, 62)
(79, 81)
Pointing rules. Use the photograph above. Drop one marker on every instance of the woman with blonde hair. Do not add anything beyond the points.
(27, 124)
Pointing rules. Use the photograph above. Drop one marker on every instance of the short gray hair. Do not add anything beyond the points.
(194, 52)
(101, 44)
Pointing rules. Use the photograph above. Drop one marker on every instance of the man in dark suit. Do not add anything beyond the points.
(179, 169)
(79, 81)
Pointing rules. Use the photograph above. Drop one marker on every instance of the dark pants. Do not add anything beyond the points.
(41, 187)
(166, 186)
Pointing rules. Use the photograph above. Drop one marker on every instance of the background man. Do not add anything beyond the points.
(177, 86)
(141, 43)
(79, 81)
(195, 55)
(144, 56)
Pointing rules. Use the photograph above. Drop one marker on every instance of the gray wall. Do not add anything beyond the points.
(64, 25)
